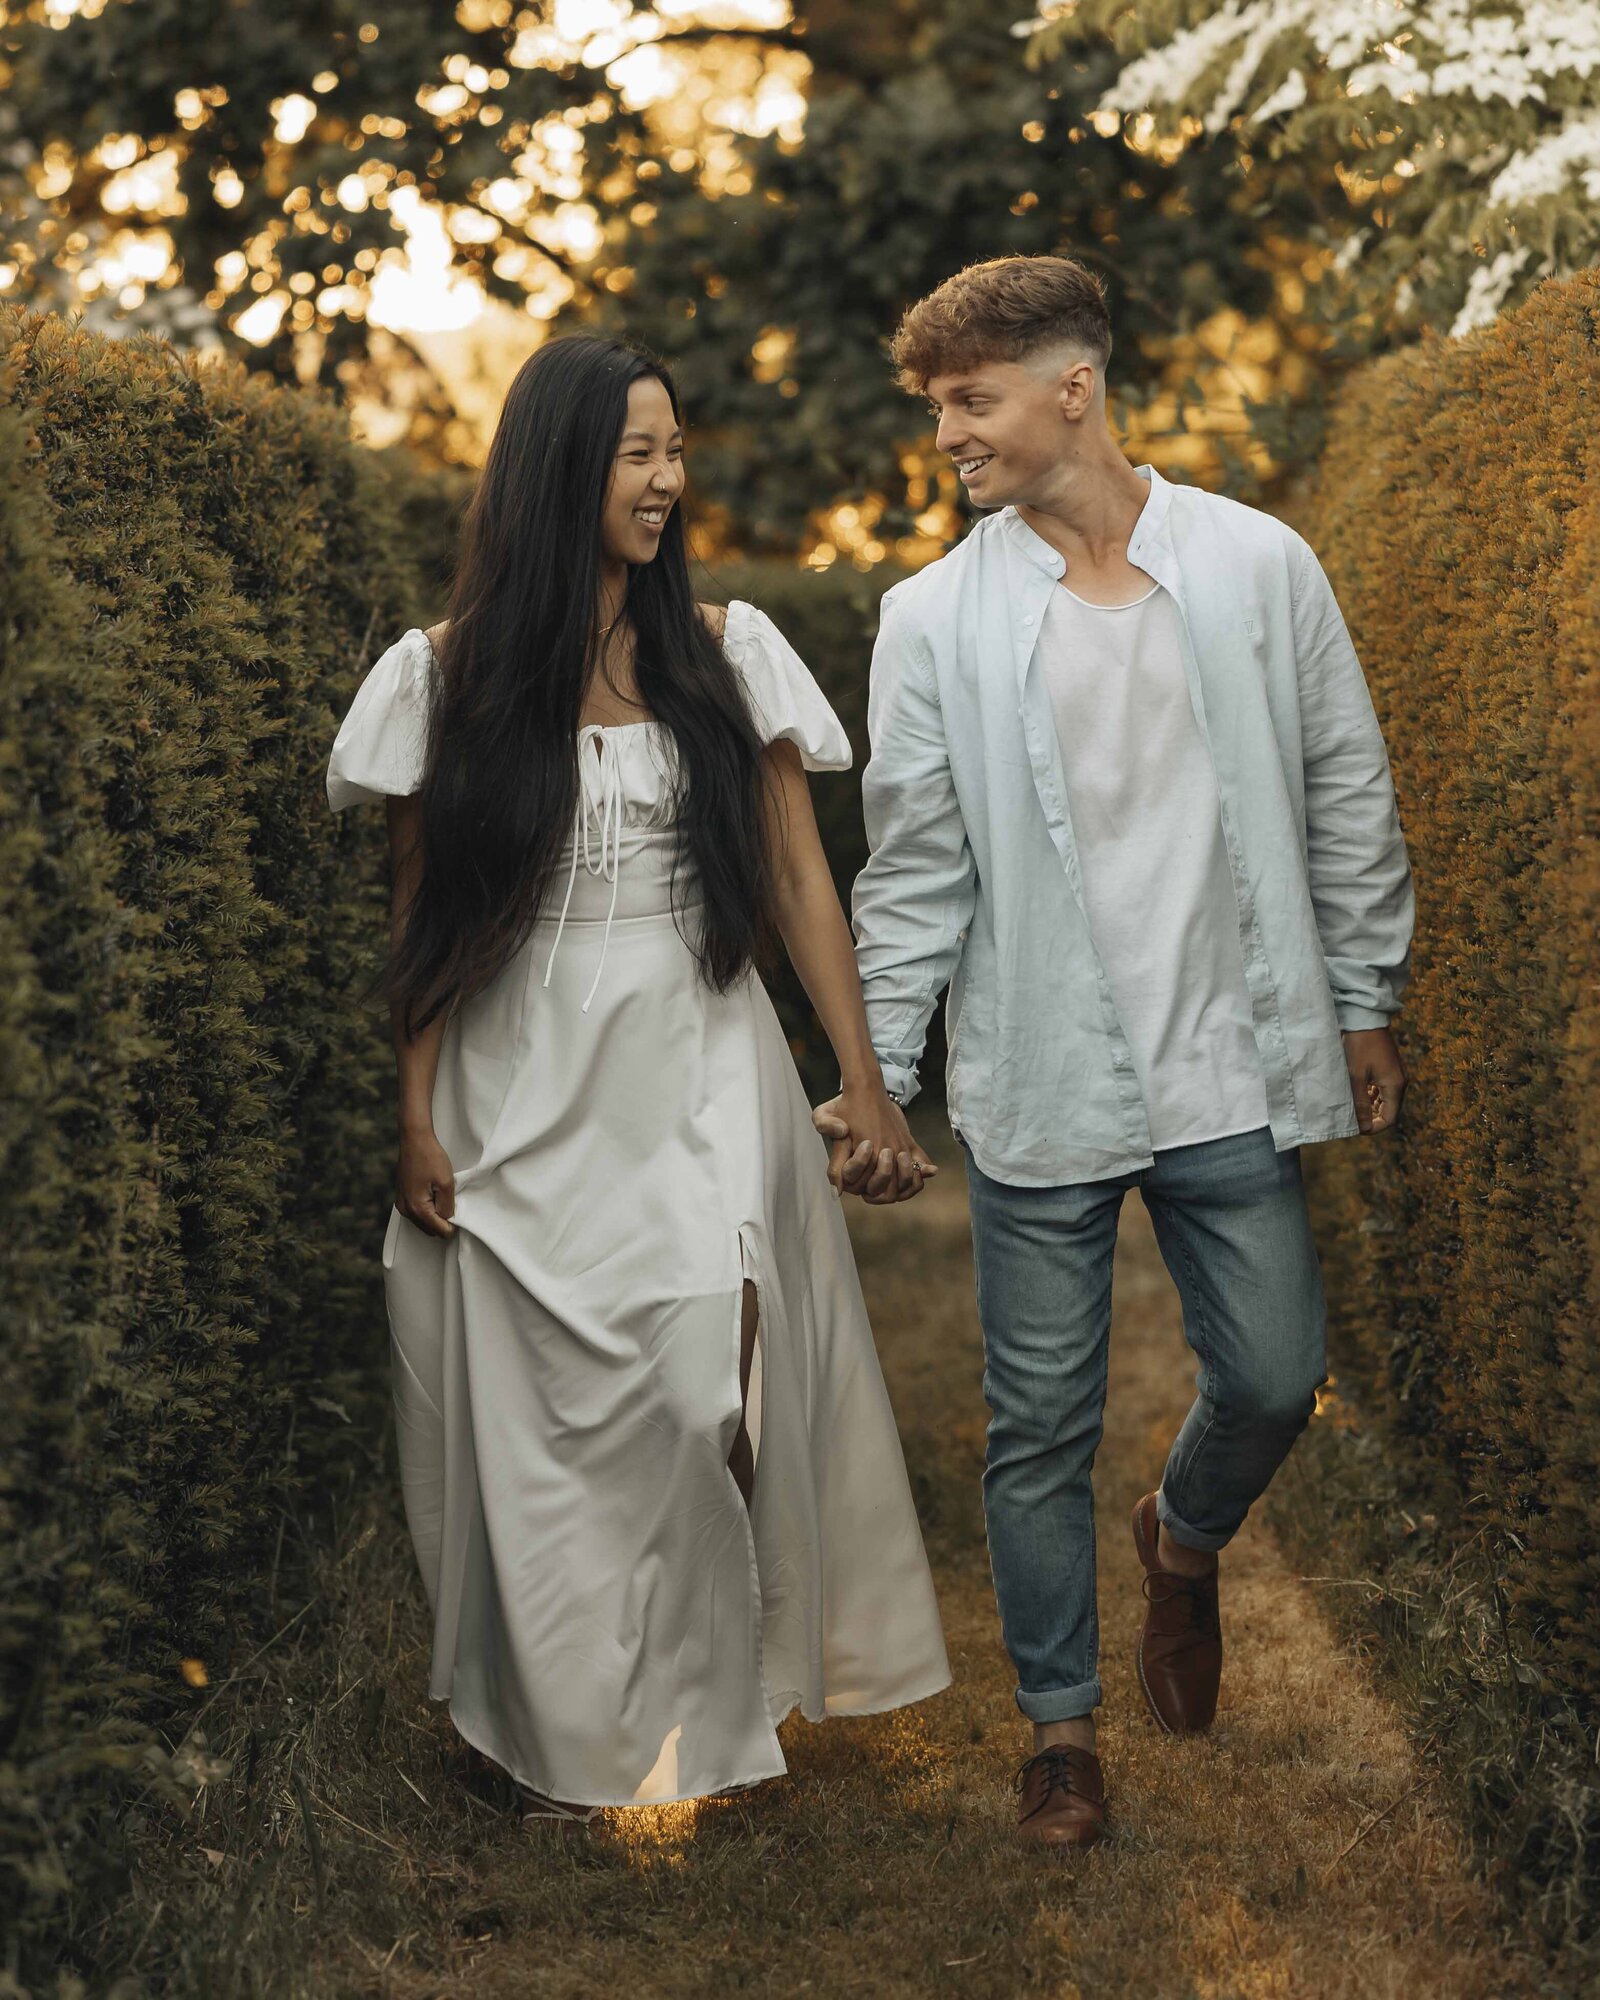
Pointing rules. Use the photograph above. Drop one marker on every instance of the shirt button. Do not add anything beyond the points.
(1030, 619)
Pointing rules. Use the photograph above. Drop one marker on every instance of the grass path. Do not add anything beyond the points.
(1296, 1851)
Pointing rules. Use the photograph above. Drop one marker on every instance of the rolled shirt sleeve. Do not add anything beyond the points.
(1356, 863)
(914, 899)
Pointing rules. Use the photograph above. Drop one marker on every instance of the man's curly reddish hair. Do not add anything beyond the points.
(1002, 310)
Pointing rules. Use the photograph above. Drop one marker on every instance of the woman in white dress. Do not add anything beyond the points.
(649, 1463)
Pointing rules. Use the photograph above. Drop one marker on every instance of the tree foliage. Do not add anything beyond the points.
(1451, 147)
(929, 144)
(270, 145)
(764, 223)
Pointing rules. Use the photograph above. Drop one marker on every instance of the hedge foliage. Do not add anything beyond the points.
(193, 1103)
(1458, 514)
(195, 1106)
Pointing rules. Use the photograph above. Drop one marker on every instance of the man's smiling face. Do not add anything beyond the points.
(1004, 425)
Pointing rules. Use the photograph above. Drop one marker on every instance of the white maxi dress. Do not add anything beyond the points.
(610, 1623)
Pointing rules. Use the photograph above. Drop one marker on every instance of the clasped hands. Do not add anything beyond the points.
(873, 1153)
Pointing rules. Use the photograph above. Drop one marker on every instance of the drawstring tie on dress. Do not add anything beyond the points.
(609, 825)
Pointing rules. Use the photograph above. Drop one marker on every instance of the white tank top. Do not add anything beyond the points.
(1147, 822)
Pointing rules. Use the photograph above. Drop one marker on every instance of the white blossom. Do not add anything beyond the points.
(1551, 164)
(1167, 75)
(1537, 60)
(1289, 96)
(1487, 289)
(1450, 48)
(1243, 70)
(1350, 249)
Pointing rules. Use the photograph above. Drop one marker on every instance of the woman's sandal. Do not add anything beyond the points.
(533, 1806)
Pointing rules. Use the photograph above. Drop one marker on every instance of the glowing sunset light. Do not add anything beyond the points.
(554, 195)
(726, 14)
(507, 197)
(777, 104)
(645, 75)
(421, 293)
(577, 20)
(258, 323)
(292, 115)
(149, 185)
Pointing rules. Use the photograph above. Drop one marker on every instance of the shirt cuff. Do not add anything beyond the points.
(900, 1083)
(1351, 1018)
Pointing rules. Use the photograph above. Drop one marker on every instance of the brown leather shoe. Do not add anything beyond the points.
(1063, 1797)
(1180, 1648)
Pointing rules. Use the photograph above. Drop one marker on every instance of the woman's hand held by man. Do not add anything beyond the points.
(874, 1154)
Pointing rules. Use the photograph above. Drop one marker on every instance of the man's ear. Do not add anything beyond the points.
(1076, 389)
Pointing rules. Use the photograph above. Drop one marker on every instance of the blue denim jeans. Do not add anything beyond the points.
(1230, 1219)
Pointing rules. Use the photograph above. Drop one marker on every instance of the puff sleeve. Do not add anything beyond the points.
(383, 740)
(784, 697)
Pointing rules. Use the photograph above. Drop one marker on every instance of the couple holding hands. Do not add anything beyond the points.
(1127, 798)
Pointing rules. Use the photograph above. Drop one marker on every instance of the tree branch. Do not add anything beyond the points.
(776, 38)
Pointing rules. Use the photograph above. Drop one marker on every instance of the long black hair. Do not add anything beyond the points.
(500, 784)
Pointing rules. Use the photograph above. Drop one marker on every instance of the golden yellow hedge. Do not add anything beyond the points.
(1458, 515)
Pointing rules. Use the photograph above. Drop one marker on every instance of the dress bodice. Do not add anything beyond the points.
(626, 785)
(628, 771)
(636, 760)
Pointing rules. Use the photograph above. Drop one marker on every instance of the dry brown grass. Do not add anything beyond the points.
(1297, 1851)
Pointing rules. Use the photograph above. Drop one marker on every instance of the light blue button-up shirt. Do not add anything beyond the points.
(974, 880)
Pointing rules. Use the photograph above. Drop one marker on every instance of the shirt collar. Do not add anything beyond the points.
(1150, 527)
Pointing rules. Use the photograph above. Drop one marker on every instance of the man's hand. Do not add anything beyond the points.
(874, 1154)
(1377, 1078)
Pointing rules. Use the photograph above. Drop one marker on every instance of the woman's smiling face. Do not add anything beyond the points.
(646, 476)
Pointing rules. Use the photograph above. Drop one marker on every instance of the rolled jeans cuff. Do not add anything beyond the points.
(1180, 1531)
(1059, 1704)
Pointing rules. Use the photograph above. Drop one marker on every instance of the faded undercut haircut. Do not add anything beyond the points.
(1002, 310)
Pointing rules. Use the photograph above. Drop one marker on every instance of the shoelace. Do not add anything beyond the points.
(609, 814)
(1060, 1770)
(1204, 1616)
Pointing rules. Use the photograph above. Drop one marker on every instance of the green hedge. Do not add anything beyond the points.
(194, 1116)
(196, 1123)
(1458, 514)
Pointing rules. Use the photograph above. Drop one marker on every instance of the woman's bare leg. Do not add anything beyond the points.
(741, 1460)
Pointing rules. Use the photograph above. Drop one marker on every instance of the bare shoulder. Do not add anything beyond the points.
(435, 633)
(716, 616)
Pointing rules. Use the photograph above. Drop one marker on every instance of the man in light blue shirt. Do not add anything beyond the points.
(1128, 798)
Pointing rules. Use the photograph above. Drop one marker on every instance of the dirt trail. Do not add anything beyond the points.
(1296, 1851)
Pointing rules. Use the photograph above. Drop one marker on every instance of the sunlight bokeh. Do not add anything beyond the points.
(698, 97)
